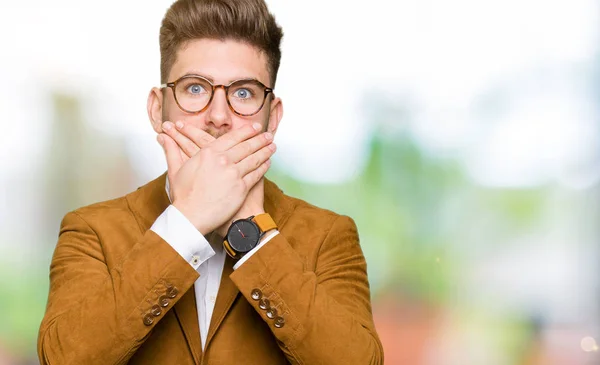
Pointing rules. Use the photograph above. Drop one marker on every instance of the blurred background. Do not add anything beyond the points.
(462, 136)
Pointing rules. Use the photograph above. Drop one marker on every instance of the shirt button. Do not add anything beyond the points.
(279, 322)
(264, 304)
(272, 313)
(212, 298)
(256, 294)
(164, 301)
(148, 319)
(156, 310)
(195, 260)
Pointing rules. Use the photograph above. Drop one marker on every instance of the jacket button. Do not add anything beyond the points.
(148, 319)
(163, 301)
(156, 310)
(272, 313)
(264, 304)
(279, 322)
(172, 292)
(256, 294)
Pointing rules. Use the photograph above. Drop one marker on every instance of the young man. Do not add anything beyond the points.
(210, 263)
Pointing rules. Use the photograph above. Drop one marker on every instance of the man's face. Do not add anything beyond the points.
(221, 62)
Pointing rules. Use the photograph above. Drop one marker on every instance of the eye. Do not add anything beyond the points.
(243, 94)
(195, 89)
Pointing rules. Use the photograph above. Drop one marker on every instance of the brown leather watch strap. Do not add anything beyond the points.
(265, 222)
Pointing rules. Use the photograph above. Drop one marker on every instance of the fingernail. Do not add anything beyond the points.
(268, 136)
(167, 126)
(256, 126)
(179, 125)
(160, 140)
(272, 146)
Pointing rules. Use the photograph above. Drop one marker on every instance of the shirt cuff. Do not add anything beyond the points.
(175, 229)
(263, 242)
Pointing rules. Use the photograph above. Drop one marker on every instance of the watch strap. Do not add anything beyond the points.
(265, 222)
(230, 251)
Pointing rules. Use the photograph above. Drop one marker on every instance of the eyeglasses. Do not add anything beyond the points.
(194, 93)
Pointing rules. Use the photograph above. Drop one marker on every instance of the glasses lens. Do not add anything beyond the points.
(193, 93)
(246, 97)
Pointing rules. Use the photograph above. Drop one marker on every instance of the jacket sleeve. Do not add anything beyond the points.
(101, 315)
(325, 314)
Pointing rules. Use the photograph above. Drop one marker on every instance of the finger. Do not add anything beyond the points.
(255, 160)
(197, 135)
(242, 150)
(174, 158)
(236, 136)
(254, 177)
(186, 144)
(184, 157)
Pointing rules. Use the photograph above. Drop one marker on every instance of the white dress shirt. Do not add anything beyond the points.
(207, 258)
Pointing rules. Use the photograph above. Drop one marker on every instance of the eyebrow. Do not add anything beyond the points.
(193, 73)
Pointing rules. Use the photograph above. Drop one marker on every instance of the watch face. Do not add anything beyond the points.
(243, 235)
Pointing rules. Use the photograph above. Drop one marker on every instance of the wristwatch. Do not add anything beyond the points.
(245, 234)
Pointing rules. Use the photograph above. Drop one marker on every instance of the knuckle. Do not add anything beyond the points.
(248, 149)
(187, 146)
(200, 138)
(195, 139)
(209, 152)
(266, 153)
(259, 140)
(232, 173)
(222, 160)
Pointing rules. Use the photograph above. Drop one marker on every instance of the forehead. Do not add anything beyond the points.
(221, 61)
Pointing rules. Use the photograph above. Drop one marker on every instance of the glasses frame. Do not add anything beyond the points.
(173, 86)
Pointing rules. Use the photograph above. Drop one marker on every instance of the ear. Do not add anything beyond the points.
(155, 102)
(275, 115)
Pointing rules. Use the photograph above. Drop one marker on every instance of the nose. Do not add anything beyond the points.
(218, 112)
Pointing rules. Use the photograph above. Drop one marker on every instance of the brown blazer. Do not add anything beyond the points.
(109, 270)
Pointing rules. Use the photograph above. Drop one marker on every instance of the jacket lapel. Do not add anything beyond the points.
(147, 203)
(187, 315)
(228, 292)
